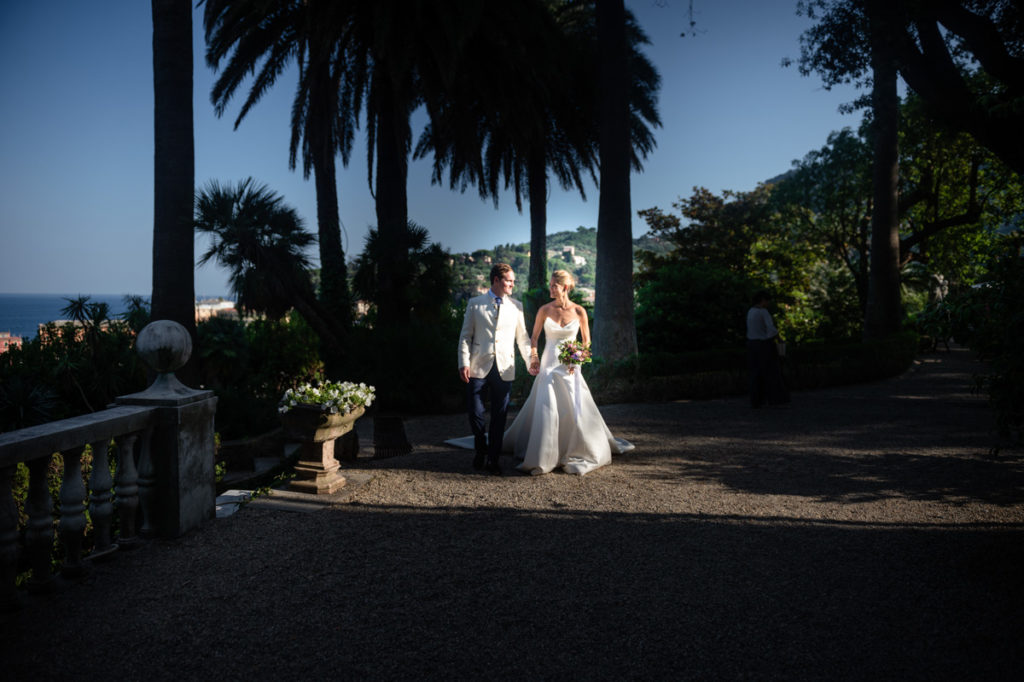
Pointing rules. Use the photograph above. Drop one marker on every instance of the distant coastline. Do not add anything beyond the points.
(21, 314)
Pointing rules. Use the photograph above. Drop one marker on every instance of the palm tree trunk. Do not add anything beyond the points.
(615, 326)
(884, 310)
(333, 273)
(538, 188)
(174, 295)
(393, 135)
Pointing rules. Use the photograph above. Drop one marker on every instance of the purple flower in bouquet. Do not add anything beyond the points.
(572, 353)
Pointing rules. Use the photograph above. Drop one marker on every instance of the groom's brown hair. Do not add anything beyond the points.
(498, 270)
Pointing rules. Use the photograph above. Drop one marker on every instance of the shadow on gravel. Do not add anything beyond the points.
(400, 593)
(866, 478)
(920, 437)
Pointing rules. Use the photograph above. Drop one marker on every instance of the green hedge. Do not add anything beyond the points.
(818, 366)
(717, 373)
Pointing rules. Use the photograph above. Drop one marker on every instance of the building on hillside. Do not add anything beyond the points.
(569, 256)
(8, 341)
(57, 326)
(216, 307)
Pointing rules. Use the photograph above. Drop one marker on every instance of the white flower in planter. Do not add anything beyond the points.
(330, 397)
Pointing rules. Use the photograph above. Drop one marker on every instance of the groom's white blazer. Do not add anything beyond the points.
(490, 334)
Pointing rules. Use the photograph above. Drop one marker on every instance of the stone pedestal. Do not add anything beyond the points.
(317, 471)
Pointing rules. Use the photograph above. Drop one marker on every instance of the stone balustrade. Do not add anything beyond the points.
(163, 484)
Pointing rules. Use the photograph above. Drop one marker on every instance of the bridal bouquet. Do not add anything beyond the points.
(331, 396)
(572, 353)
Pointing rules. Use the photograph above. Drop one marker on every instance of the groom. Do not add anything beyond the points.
(493, 326)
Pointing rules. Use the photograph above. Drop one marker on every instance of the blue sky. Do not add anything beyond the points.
(76, 121)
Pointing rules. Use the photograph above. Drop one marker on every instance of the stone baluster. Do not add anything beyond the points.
(101, 507)
(8, 540)
(39, 528)
(147, 484)
(127, 491)
(72, 513)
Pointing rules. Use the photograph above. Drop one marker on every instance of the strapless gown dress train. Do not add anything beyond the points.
(559, 425)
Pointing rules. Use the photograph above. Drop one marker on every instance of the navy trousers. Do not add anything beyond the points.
(766, 384)
(497, 391)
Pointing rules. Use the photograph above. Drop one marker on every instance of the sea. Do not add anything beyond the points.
(21, 314)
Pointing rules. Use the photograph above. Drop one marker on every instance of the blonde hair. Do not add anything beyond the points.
(565, 279)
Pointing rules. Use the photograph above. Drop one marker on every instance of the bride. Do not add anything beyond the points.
(559, 425)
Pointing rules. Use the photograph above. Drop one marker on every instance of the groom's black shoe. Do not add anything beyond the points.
(478, 461)
(494, 468)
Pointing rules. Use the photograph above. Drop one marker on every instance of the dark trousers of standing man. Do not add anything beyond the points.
(766, 385)
(497, 390)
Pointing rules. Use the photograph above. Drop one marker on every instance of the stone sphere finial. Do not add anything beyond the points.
(164, 345)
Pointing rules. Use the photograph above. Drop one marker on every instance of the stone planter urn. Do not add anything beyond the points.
(316, 430)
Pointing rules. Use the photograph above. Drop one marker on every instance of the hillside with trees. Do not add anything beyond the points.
(575, 251)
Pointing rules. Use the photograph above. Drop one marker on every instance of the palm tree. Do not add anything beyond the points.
(388, 57)
(262, 243)
(429, 273)
(137, 312)
(515, 112)
(78, 309)
(392, 96)
(400, 54)
(265, 38)
(615, 325)
(351, 55)
(528, 103)
(174, 170)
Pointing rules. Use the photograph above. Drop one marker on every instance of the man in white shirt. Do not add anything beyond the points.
(766, 385)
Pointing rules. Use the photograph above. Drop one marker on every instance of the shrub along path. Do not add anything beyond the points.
(864, 532)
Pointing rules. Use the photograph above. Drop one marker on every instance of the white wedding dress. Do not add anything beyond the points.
(559, 425)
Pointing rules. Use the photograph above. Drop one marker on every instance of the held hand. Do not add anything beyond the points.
(534, 368)
(464, 374)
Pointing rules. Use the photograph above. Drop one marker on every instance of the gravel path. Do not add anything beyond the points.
(865, 532)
